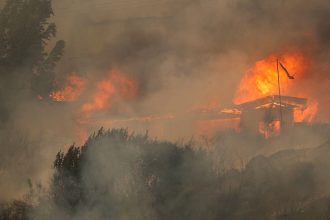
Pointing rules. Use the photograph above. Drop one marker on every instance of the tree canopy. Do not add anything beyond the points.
(25, 56)
(27, 61)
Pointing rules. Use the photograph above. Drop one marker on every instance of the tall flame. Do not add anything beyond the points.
(262, 79)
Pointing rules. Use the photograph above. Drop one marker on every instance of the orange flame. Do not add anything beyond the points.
(262, 79)
(270, 130)
(104, 91)
(308, 114)
(114, 86)
(74, 87)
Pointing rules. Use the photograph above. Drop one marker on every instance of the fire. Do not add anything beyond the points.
(126, 87)
(271, 129)
(262, 79)
(71, 91)
(114, 87)
(105, 93)
(107, 90)
(307, 115)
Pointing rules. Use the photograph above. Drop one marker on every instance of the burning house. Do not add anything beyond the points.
(256, 109)
(269, 115)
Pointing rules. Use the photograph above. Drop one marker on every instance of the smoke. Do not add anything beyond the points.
(193, 49)
(182, 54)
(123, 176)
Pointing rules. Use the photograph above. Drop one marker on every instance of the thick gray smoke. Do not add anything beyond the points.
(182, 54)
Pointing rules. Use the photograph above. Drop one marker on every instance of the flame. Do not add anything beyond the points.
(108, 91)
(71, 91)
(126, 87)
(270, 130)
(308, 114)
(115, 85)
(233, 111)
(104, 91)
(112, 89)
(262, 79)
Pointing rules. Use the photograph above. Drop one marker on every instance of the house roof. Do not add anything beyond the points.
(286, 101)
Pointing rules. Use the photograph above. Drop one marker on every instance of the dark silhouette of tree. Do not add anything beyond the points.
(66, 183)
(118, 175)
(17, 210)
(25, 64)
(167, 176)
